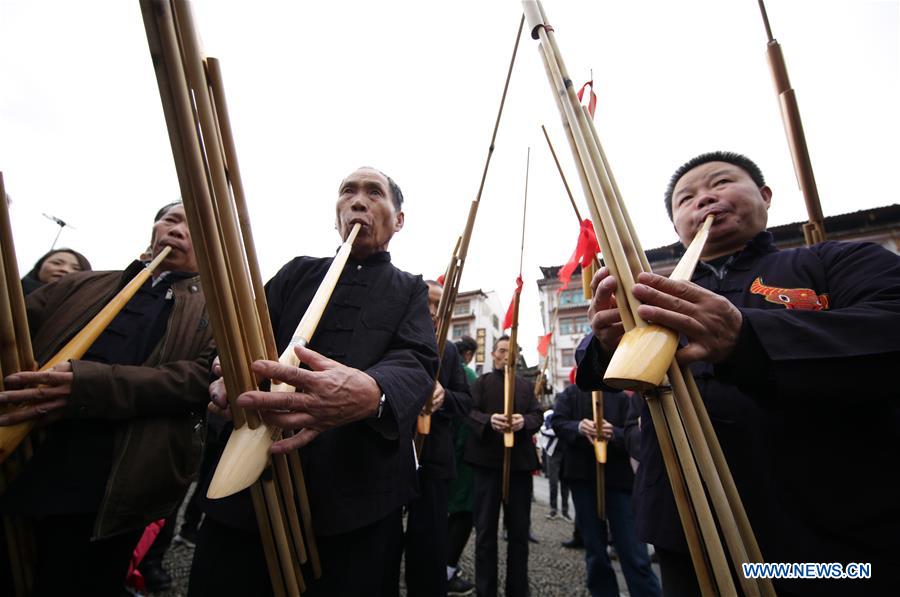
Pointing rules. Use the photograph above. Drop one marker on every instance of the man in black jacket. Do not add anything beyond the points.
(573, 422)
(788, 349)
(122, 437)
(484, 451)
(426, 539)
(367, 372)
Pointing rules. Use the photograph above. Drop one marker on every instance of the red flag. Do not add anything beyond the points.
(508, 320)
(585, 250)
(544, 344)
(592, 103)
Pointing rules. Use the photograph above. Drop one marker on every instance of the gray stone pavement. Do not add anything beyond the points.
(552, 569)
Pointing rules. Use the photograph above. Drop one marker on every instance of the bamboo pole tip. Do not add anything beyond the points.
(533, 17)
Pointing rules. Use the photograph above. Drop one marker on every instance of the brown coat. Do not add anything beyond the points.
(159, 406)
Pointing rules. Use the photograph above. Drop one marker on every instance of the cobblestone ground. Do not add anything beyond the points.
(553, 570)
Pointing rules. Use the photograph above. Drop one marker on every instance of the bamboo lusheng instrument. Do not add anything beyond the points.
(680, 442)
(814, 230)
(196, 115)
(451, 283)
(509, 372)
(645, 352)
(11, 436)
(247, 452)
(15, 355)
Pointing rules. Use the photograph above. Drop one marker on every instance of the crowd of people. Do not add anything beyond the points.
(129, 426)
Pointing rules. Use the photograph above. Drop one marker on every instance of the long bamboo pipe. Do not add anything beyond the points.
(288, 473)
(12, 436)
(247, 451)
(814, 230)
(610, 226)
(14, 286)
(175, 51)
(509, 386)
(621, 225)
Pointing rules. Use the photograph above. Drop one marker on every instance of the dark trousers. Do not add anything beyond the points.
(364, 561)
(425, 542)
(69, 563)
(677, 571)
(554, 465)
(601, 578)
(459, 526)
(516, 516)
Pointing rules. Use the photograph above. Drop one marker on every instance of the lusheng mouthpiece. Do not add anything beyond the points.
(243, 461)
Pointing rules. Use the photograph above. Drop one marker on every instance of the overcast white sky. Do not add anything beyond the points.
(318, 89)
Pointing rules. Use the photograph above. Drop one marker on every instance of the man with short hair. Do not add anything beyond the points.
(788, 348)
(366, 374)
(124, 422)
(484, 452)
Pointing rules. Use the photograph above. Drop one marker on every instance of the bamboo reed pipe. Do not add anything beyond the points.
(263, 522)
(592, 161)
(14, 286)
(247, 451)
(423, 421)
(223, 207)
(712, 480)
(706, 522)
(644, 354)
(721, 465)
(686, 513)
(613, 259)
(508, 438)
(814, 230)
(697, 409)
(9, 348)
(175, 96)
(305, 513)
(12, 436)
(563, 176)
(599, 452)
(217, 89)
(176, 100)
(604, 214)
(284, 470)
(284, 555)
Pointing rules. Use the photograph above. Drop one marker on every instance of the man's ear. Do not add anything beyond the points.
(398, 221)
(766, 193)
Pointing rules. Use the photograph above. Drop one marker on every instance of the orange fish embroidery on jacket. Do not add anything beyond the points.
(791, 298)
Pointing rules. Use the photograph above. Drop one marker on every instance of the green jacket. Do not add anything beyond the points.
(158, 407)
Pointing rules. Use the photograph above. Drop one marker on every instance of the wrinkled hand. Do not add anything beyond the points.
(437, 398)
(39, 403)
(603, 314)
(710, 322)
(587, 428)
(518, 421)
(328, 396)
